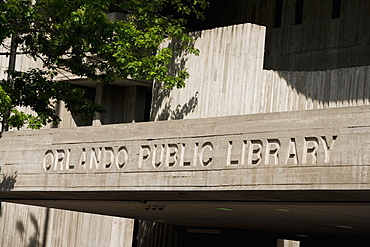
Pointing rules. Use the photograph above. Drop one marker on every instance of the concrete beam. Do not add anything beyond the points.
(303, 150)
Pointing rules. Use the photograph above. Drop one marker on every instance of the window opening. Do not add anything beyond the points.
(278, 13)
(335, 12)
(298, 12)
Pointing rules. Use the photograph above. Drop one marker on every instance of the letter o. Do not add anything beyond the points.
(121, 157)
(48, 160)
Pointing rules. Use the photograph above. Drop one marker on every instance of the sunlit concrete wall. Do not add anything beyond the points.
(228, 79)
(24, 225)
(222, 79)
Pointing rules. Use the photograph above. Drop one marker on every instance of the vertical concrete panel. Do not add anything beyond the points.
(307, 82)
(290, 90)
(290, 93)
(367, 86)
(207, 72)
(84, 223)
(283, 106)
(276, 93)
(353, 87)
(334, 79)
(287, 243)
(230, 70)
(24, 225)
(326, 89)
(259, 59)
(261, 102)
(270, 92)
(320, 42)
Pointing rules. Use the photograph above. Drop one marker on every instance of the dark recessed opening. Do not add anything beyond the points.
(335, 12)
(278, 13)
(298, 12)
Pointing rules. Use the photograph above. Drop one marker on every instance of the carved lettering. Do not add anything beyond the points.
(157, 163)
(171, 155)
(195, 154)
(189, 154)
(95, 158)
(108, 157)
(121, 157)
(235, 153)
(182, 156)
(229, 160)
(244, 148)
(292, 152)
(206, 162)
(59, 159)
(48, 160)
(272, 155)
(310, 150)
(69, 166)
(255, 152)
(327, 147)
(82, 160)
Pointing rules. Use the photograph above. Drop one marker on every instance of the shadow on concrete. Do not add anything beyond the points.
(339, 87)
(182, 110)
(36, 239)
(166, 113)
(155, 234)
(160, 93)
(8, 181)
(181, 52)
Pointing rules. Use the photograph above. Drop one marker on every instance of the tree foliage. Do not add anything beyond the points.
(77, 37)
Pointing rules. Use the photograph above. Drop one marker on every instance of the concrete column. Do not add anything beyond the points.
(98, 100)
(287, 243)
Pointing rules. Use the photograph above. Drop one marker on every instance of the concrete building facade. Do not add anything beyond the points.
(268, 142)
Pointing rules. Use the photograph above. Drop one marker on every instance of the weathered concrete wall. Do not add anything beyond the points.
(315, 150)
(24, 225)
(23, 63)
(319, 149)
(337, 43)
(303, 90)
(124, 104)
(231, 81)
(222, 79)
(320, 42)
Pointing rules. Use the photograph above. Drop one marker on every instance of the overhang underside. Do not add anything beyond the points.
(313, 213)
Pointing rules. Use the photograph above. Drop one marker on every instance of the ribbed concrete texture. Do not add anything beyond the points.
(222, 79)
(38, 226)
(287, 243)
(231, 81)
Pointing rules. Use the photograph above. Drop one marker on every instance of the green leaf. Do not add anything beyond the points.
(77, 37)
